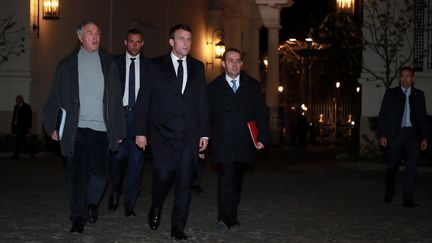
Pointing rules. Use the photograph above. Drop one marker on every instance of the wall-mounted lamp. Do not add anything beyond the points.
(217, 46)
(345, 6)
(219, 49)
(50, 9)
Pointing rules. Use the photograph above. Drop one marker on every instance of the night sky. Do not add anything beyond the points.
(304, 14)
(297, 19)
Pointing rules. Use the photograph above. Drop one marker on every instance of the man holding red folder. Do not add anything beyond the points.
(237, 111)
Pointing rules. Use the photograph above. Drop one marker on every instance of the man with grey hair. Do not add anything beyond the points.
(86, 88)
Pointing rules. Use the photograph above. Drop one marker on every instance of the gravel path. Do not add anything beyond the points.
(290, 195)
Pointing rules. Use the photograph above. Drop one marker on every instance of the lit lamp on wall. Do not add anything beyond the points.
(217, 46)
(50, 9)
(345, 6)
(219, 49)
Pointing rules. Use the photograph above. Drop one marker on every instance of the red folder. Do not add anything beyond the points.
(253, 132)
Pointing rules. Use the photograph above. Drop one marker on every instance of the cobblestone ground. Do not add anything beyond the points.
(290, 195)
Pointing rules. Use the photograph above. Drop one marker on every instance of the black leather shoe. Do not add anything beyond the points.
(178, 234)
(113, 202)
(409, 204)
(130, 212)
(154, 218)
(92, 214)
(77, 228)
(388, 197)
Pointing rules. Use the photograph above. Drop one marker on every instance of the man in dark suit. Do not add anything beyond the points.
(403, 129)
(21, 124)
(131, 66)
(172, 113)
(235, 98)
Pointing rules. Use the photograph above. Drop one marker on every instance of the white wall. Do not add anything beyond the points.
(15, 75)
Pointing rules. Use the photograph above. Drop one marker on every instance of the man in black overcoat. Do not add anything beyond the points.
(235, 98)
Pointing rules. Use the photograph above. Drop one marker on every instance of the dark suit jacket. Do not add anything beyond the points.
(229, 114)
(173, 118)
(23, 116)
(121, 64)
(392, 110)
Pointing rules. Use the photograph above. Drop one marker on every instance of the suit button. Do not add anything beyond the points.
(227, 111)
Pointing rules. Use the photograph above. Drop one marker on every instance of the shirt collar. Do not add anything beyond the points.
(174, 58)
(407, 89)
(129, 56)
(228, 79)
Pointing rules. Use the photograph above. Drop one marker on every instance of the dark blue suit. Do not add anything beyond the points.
(402, 142)
(128, 155)
(176, 122)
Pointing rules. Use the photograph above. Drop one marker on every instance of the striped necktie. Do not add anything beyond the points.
(234, 85)
(406, 116)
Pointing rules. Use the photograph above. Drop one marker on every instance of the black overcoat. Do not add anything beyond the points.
(229, 114)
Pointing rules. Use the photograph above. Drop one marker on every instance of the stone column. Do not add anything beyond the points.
(273, 67)
(270, 14)
(272, 82)
(254, 49)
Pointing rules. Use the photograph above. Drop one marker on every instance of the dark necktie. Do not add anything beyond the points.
(180, 74)
(131, 101)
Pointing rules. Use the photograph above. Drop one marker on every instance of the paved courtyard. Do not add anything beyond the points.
(290, 195)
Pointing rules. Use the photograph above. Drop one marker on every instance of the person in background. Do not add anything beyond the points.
(403, 130)
(172, 113)
(87, 87)
(131, 66)
(235, 99)
(21, 125)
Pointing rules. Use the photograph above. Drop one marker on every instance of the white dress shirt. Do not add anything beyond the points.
(174, 59)
(137, 77)
(229, 79)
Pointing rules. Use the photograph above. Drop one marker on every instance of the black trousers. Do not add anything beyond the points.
(404, 146)
(86, 172)
(230, 178)
(129, 156)
(174, 163)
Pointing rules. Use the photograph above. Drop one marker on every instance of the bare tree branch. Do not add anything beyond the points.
(11, 38)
